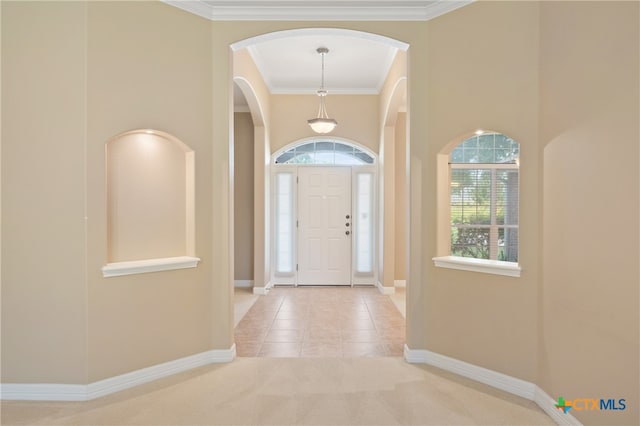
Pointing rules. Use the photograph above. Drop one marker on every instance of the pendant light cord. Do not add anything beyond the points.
(322, 82)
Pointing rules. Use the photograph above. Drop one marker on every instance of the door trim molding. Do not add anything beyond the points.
(292, 279)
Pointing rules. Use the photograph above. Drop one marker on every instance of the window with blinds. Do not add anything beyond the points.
(484, 189)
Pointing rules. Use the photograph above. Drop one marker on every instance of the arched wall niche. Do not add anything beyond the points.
(150, 203)
(443, 234)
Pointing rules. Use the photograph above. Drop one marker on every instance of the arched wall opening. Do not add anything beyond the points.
(394, 184)
(249, 84)
(389, 102)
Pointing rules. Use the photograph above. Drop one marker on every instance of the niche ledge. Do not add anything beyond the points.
(495, 267)
(149, 265)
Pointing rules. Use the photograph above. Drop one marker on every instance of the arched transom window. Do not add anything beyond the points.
(325, 152)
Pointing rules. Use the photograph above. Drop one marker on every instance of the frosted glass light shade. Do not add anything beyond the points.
(322, 125)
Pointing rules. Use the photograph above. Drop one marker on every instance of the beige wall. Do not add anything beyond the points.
(243, 196)
(392, 98)
(386, 201)
(247, 76)
(150, 66)
(154, 71)
(75, 75)
(357, 117)
(400, 190)
(590, 121)
(569, 323)
(146, 65)
(485, 76)
(44, 292)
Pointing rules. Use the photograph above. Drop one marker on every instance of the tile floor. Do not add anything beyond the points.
(332, 322)
(243, 300)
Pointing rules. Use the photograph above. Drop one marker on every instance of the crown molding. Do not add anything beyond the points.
(303, 32)
(330, 91)
(297, 10)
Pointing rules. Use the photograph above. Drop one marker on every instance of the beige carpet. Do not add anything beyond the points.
(321, 391)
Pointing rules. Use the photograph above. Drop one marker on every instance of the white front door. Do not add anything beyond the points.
(324, 225)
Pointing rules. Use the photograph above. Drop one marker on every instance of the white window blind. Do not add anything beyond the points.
(484, 192)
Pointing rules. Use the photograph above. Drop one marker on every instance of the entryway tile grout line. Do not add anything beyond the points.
(302, 334)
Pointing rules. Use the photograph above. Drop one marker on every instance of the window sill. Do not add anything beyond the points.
(150, 265)
(495, 267)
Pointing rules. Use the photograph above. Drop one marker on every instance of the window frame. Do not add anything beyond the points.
(317, 146)
(493, 227)
(449, 261)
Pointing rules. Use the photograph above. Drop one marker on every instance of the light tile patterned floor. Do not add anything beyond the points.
(330, 322)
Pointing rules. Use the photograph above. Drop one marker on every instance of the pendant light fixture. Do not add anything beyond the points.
(322, 124)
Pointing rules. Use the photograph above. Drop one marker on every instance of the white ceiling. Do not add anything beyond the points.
(352, 66)
(291, 65)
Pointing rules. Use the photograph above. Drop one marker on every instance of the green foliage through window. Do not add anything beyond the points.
(484, 199)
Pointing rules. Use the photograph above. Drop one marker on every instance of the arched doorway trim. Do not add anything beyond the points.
(250, 95)
(302, 32)
(397, 98)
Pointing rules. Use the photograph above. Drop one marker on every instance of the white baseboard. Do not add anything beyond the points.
(400, 283)
(492, 378)
(262, 291)
(42, 392)
(385, 290)
(63, 392)
(243, 283)
(548, 405)
(473, 372)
